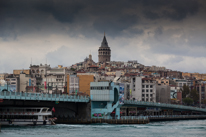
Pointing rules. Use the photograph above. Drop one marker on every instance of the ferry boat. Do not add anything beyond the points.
(26, 116)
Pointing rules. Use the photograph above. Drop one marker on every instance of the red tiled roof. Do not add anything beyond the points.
(147, 79)
(92, 66)
(101, 68)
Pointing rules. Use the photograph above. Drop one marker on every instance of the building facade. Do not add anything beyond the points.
(143, 89)
(163, 93)
(79, 83)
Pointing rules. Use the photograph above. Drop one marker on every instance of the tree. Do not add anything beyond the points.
(194, 95)
(187, 101)
(73, 69)
(185, 91)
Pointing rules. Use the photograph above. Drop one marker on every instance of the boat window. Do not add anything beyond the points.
(44, 110)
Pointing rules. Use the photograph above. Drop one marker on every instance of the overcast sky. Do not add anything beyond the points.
(63, 32)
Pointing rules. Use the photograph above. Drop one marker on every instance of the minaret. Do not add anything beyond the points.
(90, 56)
(104, 52)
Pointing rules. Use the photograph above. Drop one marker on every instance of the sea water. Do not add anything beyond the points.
(189, 128)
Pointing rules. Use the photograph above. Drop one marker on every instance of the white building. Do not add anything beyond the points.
(143, 89)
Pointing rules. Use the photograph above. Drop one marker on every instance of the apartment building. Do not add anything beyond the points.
(3, 76)
(79, 83)
(163, 93)
(162, 81)
(143, 89)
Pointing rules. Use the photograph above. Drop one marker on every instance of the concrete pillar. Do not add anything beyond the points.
(117, 113)
(200, 97)
(205, 91)
(136, 110)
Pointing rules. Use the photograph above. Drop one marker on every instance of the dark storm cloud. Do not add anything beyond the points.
(174, 10)
(114, 17)
(64, 11)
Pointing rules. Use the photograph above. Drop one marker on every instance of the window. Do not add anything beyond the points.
(147, 90)
(142, 86)
(143, 90)
(151, 95)
(142, 99)
(151, 90)
(142, 95)
(150, 99)
(134, 89)
(142, 81)
(147, 86)
(147, 95)
(147, 99)
(151, 86)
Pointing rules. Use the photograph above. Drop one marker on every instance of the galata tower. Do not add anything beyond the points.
(104, 51)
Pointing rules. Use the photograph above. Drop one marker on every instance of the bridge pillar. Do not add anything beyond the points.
(136, 110)
(117, 112)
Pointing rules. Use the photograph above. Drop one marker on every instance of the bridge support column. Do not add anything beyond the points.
(117, 113)
(127, 111)
(136, 111)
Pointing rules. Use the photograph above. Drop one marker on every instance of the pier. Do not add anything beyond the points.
(108, 121)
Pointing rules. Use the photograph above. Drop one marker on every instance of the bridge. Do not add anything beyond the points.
(162, 105)
(65, 105)
(85, 99)
(42, 97)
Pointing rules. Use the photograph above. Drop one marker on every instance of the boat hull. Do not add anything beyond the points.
(15, 123)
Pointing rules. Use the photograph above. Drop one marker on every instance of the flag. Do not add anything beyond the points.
(33, 89)
(76, 92)
(45, 85)
(53, 109)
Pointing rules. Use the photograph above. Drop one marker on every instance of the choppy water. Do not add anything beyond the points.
(189, 128)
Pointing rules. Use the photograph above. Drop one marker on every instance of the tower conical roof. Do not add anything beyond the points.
(104, 42)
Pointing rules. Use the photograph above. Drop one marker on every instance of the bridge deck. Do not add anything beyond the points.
(42, 97)
(162, 105)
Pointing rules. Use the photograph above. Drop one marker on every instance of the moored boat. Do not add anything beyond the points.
(26, 116)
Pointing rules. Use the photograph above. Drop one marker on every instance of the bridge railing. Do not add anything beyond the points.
(178, 116)
(45, 97)
(135, 117)
(163, 105)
